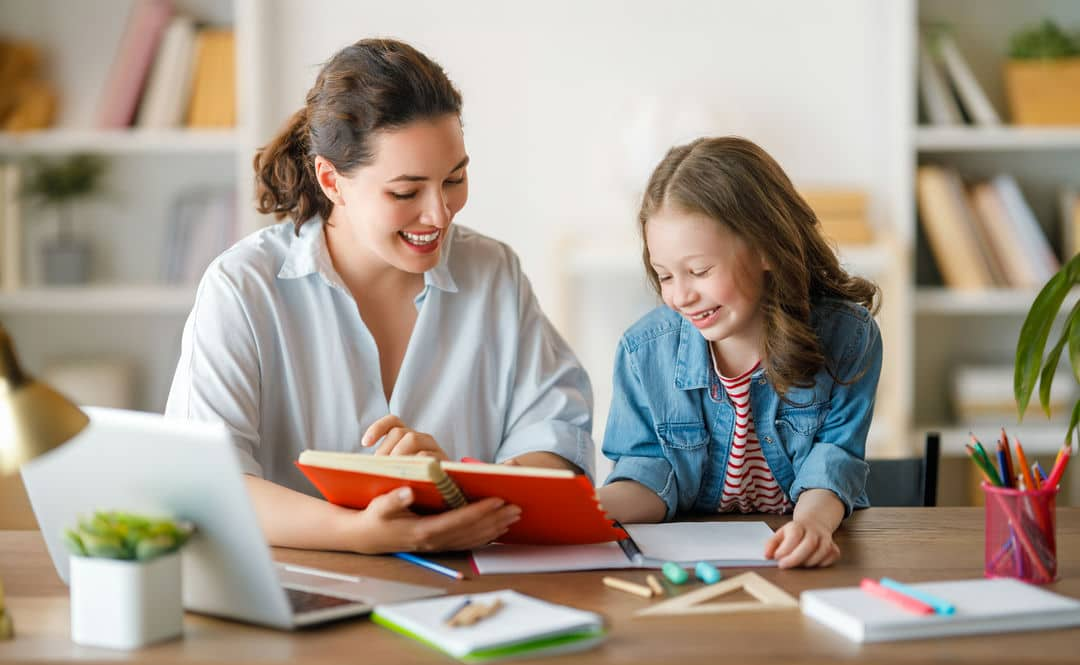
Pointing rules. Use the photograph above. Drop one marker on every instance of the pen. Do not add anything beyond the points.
(940, 606)
(907, 603)
(430, 565)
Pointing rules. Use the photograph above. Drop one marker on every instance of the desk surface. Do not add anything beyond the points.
(910, 544)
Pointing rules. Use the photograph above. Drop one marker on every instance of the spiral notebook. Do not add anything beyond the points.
(982, 606)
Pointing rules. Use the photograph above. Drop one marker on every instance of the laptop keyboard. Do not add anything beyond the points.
(307, 601)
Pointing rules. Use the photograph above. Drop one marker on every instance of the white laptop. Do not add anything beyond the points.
(146, 463)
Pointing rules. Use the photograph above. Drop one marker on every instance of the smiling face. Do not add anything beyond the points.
(395, 211)
(709, 275)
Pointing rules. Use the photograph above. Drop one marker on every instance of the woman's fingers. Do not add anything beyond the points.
(390, 441)
(379, 429)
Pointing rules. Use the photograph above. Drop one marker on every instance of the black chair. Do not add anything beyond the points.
(907, 481)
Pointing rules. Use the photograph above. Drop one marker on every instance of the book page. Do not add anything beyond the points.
(742, 542)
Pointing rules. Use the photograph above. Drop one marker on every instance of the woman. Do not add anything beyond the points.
(371, 321)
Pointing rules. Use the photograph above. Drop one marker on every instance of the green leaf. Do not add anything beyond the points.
(1052, 358)
(1073, 422)
(156, 546)
(1073, 330)
(1034, 332)
(74, 543)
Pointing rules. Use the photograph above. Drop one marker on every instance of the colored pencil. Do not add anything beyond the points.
(981, 465)
(1003, 466)
(940, 605)
(1021, 460)
(1059, 467)
(1010, 468)
(430, 565)
(907, 603)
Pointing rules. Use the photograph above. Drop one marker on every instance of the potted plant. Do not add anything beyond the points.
(60, 184)
(125, 580)
(1032, 364)
(1042, 76)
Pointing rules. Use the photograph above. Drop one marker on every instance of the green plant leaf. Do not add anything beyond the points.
(1073, 422)
(1073, 331)
(74, 543)
(1035, 331)
(1052, 358)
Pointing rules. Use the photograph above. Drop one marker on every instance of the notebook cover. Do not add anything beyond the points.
(554, 511)
(982, 606)
(356, 489)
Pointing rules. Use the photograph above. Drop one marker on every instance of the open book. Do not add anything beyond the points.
(723, 544)
(558, 507)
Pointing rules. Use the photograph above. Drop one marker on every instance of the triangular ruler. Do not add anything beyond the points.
(769, 597)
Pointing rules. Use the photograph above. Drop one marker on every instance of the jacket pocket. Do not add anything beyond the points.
(682, 435)
(686, 448)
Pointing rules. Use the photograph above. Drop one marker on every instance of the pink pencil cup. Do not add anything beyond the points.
(1020, 533)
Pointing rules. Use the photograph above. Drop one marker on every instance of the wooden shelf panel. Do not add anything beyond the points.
(149, 299)
(947, 139)
(133, 141)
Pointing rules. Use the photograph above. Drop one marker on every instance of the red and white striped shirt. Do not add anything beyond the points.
(749, 484)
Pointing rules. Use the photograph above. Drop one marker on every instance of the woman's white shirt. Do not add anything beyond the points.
(276, 349)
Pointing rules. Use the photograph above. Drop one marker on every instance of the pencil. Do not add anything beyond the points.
(430, 565)
(986, 470)
(628, 587)
(1009, 473)
(1059, 467)
(1021, 460)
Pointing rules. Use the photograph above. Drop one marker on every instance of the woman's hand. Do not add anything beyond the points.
(807, 540)
(399, 439)
(387, 525)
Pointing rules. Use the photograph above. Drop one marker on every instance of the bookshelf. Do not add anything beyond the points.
(125, 311)
(950, 328)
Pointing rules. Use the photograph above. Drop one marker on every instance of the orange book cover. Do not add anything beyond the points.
(557, 507)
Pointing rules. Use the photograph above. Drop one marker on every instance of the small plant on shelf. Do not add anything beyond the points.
(60, 184)
(1046, 41)
(1033, 364)
(1042, 76)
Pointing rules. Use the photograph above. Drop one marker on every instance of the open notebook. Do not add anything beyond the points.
(982, 606)
(557, 506)
(524, 626)
(728, 544)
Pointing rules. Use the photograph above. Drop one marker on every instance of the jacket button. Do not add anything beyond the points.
(761, 381)
(768, 439)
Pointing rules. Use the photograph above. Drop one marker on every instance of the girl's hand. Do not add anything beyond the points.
(389, 526)
(803, 542)
(399, 439)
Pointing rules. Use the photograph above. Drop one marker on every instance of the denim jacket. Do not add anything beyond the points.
(670, 425)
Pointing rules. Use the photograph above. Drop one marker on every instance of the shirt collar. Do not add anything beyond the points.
(308, 254)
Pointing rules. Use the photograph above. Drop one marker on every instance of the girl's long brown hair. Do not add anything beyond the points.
(371, 85)
(737, 184)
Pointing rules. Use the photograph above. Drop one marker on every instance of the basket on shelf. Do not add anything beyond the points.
(1042, 76)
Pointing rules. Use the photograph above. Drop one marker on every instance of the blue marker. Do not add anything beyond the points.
(940, 606)
(707, 573)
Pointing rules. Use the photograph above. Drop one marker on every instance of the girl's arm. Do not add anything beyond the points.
(293, 519)
(631, 502)
(807, 540)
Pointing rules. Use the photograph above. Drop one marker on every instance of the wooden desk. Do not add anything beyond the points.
(910, 544)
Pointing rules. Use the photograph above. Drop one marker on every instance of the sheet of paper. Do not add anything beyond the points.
(496, 559)
(736, 543)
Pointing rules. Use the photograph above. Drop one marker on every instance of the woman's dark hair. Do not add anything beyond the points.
(371, 85)
(737, 184)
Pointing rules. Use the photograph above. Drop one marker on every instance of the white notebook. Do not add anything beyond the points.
(524, 626)
(982, 606)
(724, 544)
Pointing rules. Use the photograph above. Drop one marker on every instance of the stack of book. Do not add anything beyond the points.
(170, 72)
(950, 93)
(842, 213)
(27, 101)
(982, 237)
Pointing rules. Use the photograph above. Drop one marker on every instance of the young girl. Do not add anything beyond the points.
(370, 314)
(752, 388)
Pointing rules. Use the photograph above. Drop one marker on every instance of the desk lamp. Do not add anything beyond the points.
(34, 419)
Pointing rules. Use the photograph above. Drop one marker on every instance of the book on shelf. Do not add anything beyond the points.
(27, 100)
(10, 228)
(937, 97)
(842, 214)
(1070, 222)
(972, 96)
(521, 626)
(1034, 243)
(213, 88)
(143, 33)
(202, 224)
(168, 87)
(983, 395)
(946, 219)
(558, 506)
(1004, 236)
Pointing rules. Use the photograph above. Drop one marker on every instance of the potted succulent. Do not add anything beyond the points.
(1033, 363)
(1042, 76)
(125, 579)
(60, 184)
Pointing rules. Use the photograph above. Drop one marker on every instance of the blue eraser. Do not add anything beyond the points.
(674, 573)
(707, 573)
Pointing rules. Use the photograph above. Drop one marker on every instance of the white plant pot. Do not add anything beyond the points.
(125, 604)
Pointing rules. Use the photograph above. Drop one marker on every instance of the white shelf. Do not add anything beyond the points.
(131, 141)
(942, 139)
(1038, 439)
(991, 301)
(148, 299)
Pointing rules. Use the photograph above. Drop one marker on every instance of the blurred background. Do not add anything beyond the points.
(938, 140)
